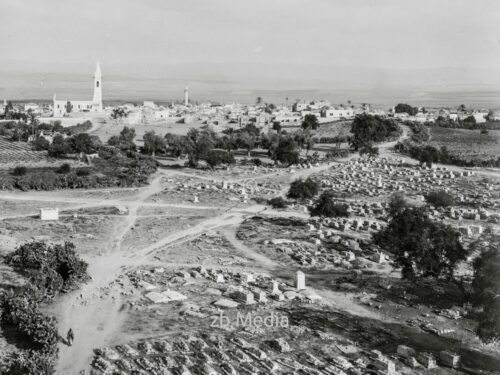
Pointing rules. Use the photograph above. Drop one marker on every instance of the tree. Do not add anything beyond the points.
(59, 147)
(83, 142)
(9, 108)
(119, 113)
(325, 206)
(69, 107)
(461, 108)
(153, 143)
(176, 144)
(486, 282)
(228, 140)
(406, 108)
(125, 141)
(310, 122)
(440, 199)
(422, 247)
(428, 155)
(285, 150)
(303, 189)
(258, 101)
(269, 107)
(367, 129)
(198, 144)
(218, 157)
(277, 126)
(397, 203)
(486, 288)
(246, 140)
(370, 150)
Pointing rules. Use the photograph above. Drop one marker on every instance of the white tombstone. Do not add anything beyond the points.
(196, 199)
(300, 280)
(49, 214)
(276, 288)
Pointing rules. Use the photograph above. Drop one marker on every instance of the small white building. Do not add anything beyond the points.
(49, 214)
(338, 113)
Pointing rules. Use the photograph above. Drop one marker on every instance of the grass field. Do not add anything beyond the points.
(469, 144)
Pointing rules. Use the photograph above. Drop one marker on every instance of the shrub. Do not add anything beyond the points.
(300, 189)
(29, 362)
(440, 199)
(21, 312)
(83, 172)
(58, 267)
(277, 202)
(64, 168)
(325, 206)
(257, 162)
(19, 171)
(40, 144)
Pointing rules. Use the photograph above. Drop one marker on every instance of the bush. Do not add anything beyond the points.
(257, 162)
(29, 362)
(300, 189)
(440, 199)
(19, 171)
(325, 206)
(53, 268)
(83, 172)
(64, 168)
(420, 132)
(40, 144)
(21, 312)
(277, 202)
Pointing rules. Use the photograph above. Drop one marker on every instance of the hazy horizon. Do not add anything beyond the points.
(378, 52)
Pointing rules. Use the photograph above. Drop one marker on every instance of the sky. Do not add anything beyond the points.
(155, 47)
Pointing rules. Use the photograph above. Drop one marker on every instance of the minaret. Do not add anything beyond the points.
(97, 88)
(186, 96)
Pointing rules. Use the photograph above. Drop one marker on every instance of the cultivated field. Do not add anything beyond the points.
(469, 144)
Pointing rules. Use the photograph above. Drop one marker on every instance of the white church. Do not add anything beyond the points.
(65, 107)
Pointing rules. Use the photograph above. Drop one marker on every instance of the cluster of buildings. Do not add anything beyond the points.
(480, 116)
(234, 113)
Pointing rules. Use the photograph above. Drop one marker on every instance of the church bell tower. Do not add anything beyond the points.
(97, 101)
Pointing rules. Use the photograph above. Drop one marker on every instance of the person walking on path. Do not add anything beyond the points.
(70, 337)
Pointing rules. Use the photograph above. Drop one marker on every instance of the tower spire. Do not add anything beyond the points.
(186, 96)
(97, 100)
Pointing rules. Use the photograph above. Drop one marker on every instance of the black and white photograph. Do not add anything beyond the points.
(254, 187)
